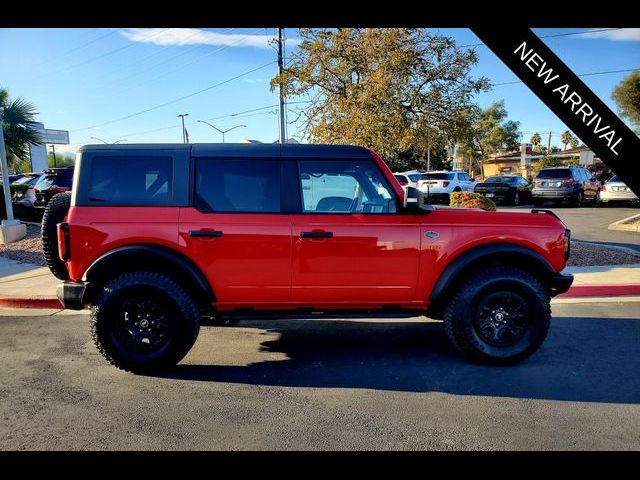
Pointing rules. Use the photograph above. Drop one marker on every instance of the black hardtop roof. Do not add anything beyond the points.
(240, 149)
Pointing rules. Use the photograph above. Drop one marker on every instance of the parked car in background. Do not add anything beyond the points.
(438, 186)
(23, 195)
(403, 180)
(507, 189)
(54, 180)
(615, 190)
(414, 176)
(558, 184)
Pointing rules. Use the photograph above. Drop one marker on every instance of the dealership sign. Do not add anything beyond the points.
(569, 98)
(58, 137)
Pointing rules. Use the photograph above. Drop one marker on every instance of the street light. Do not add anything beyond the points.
(184, 132)
(221, 131)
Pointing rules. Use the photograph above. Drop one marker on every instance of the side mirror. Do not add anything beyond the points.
(414, 200)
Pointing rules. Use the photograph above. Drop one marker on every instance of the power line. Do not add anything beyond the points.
(171, 102)
(579, 75)
(92, 59)
(162, 62)
(585, 32)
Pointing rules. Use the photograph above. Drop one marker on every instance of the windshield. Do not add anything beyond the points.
(437, 176)
(615, 178)
(555, 173)
(501, 179)
(415, 176)
(23, 180)
(401, 178)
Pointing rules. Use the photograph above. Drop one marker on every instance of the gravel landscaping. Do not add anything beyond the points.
(29, 250)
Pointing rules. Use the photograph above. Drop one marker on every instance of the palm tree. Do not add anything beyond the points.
(567, 138)
(19, 132)
(536, 140)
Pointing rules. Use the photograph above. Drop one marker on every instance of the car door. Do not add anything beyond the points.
(236, 231)
(351, 244)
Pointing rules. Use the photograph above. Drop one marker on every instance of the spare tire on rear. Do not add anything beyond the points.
(54, 214)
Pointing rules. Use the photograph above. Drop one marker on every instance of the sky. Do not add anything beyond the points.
(129, 85)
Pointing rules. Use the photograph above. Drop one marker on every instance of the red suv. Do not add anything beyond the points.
(156, 237)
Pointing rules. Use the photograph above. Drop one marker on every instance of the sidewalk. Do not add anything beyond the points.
(25, 285)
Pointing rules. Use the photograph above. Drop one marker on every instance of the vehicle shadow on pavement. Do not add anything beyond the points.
(583, 359)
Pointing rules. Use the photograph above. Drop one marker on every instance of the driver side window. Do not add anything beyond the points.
(344, 186)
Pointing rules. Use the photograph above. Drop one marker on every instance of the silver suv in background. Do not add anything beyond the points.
(615, 190)
(558, 184)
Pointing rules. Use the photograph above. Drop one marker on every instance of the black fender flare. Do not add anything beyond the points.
(154, 258)
(492, 252)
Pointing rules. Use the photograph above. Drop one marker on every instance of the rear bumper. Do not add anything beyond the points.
(552, 193)
(560, 283)
(71, 295)
(618, 197)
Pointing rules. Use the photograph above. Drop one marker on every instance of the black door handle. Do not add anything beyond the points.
(316, 234)
(205, 233)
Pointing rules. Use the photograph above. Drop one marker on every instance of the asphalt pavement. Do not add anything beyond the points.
(590, 223)
(325, 384)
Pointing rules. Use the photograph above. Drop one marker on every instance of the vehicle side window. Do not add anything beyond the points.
(334, 186)
(131, 179)
(235, 185)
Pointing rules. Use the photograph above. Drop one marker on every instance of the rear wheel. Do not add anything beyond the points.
(56, 211)
(144, 322)
(577, 200)
(501, 315)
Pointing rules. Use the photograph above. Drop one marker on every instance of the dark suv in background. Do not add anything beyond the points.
(573, 184)
(54, 180)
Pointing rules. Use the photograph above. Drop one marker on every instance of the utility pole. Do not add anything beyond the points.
(549, 144)
(428, 149)
(5, 174)
(54, 155)
(10, 229)
(280, 68)
(184, 135)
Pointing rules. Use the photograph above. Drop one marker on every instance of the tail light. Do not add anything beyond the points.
(445, 184)
(569, 181)
(567, 243)
(603, 188)
(402, 184)
(57, 189)
(64, 251)
(537, 183)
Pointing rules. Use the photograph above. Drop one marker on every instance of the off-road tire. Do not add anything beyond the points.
(460, 314)
(54, 213)
(184, 313)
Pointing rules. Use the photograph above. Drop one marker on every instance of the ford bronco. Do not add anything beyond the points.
(157, 238)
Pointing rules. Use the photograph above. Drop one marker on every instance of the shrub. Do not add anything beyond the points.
(471, 200)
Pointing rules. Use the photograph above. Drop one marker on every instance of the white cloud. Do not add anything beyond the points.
(195, 36)
(621, 35)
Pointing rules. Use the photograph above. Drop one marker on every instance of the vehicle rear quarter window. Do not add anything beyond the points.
(438, 176)
(135, 179)
(237, 186)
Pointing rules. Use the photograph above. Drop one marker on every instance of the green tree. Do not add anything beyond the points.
(391, 89)
(627, 97)
(60, 160)
(19, 132)
(484, 132)
(536, 140)
(568, 139)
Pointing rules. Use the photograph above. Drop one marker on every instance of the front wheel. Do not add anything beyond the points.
(501, 315)
(144, 322)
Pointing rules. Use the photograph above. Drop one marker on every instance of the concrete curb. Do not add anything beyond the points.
(625, 224)
(577, 291)
(29, 302)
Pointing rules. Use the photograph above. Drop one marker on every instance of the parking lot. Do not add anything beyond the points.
(325, 384)
(590, 223)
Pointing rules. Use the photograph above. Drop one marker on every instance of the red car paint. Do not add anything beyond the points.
(372, 260)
